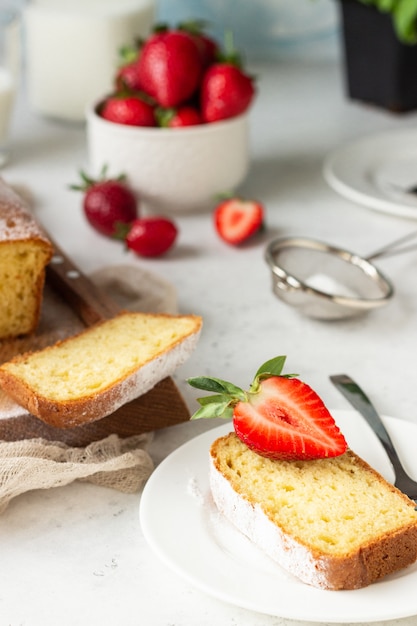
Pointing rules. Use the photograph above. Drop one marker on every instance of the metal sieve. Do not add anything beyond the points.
(326, 282)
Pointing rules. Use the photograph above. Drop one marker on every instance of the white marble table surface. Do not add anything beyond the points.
(76, 555)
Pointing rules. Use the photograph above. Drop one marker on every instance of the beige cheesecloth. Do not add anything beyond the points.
(119, 463)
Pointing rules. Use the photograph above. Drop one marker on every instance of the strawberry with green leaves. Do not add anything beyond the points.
(170, 66)
(184, 115)
(129, 109)
(279, 417)
(127, 73)
(107, 202)
(226, 89)
(208, 46)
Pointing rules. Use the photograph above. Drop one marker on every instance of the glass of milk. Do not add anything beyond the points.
(72, 50)
(9, 74)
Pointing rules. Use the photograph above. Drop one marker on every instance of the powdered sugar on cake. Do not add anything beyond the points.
(252, 522)
(11, 207)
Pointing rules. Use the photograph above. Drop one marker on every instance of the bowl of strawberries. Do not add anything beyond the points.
(177, 121)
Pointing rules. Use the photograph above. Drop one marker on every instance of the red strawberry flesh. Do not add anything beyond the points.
(287, 420)
(236, 220)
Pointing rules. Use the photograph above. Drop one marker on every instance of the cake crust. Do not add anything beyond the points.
(16, 221)
(25, 250)
(118, 389)
(382, 554)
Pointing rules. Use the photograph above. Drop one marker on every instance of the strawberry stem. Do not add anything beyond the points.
(128, 54)
(121, 230)
(229, 54)
(87, 181)
(164, 116)
(228, 394)
(194, 27)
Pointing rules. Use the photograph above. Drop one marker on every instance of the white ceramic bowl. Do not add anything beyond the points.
(172, 169)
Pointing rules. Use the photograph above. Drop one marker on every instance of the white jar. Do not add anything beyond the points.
(9, 76)
(72, 49)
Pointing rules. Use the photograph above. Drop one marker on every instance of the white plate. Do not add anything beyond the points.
(182, 525)
(375, 170)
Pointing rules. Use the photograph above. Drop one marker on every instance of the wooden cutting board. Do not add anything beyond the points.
(71, 302)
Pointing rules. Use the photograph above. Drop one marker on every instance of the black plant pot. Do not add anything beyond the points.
(379, 68)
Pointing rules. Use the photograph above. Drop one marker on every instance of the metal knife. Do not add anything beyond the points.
(360, 401)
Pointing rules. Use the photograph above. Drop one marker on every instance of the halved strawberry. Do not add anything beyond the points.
(236, 219)
(280, 417)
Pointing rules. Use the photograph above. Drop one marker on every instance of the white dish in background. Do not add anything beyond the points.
(183, 527)
(375, 171)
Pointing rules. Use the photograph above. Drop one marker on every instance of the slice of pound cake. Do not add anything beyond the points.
(25, 250)
(288, 481)
(334, 523)
(90, 375)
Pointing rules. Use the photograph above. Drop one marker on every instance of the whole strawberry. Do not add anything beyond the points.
(151, 236)
(236, 219)
(208, 46)
(170, 67)
(107, 203)
(127, 77)
(131, 110)
(185, 115)
(280, 417)
(127, 73)
(226, 91)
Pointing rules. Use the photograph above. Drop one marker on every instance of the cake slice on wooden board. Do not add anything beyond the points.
(160, 406)
(25, 250)
(287, 480)
(89, 376)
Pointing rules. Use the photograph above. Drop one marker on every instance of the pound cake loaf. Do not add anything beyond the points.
(334, 523)
(88, 376)
(25, 251)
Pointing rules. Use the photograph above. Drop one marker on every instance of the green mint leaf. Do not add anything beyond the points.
(273, 367)
(216, 385)
(270, 368)
(214, 409)
(215, 398)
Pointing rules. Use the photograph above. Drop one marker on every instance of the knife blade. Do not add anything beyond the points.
(360, 401)
(86, 299)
